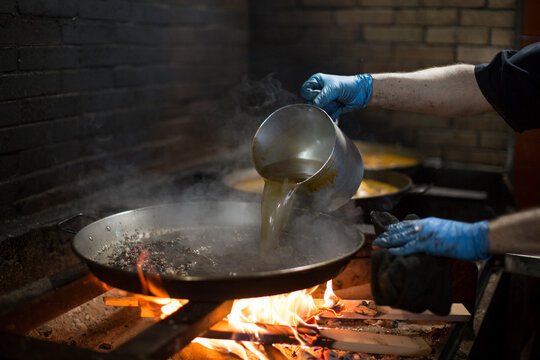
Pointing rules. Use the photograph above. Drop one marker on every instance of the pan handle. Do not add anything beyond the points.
(418, 189)
(61, 224)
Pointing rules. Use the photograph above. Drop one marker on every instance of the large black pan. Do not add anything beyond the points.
(209, 250)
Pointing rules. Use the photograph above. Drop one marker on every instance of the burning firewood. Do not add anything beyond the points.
(273, 354)
(333, 339)
(149, 306)
(121, 301)
(361, 309)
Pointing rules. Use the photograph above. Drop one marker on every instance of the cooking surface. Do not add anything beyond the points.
(195, 252)
(210, 249)
(214, 239)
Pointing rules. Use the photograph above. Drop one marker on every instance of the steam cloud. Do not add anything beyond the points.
(253, 101)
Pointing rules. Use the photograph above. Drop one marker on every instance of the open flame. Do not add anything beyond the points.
(295, 309)
(151, 284)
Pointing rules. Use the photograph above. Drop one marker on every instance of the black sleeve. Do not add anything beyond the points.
(416, 282)
(511, 84)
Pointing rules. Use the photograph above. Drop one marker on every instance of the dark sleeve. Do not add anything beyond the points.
(511, 84)
(416, 282)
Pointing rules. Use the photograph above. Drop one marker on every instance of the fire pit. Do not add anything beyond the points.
(117, 325)
(80, 317)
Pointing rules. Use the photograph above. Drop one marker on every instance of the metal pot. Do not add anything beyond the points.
(211, 248)
(305, 132)
(386, 202)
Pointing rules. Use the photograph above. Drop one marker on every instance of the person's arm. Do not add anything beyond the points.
(515, 233)
(444, 91)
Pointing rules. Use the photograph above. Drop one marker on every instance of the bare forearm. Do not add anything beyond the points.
(516, 233)
(443, 91)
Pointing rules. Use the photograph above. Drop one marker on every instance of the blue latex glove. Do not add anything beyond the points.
(439, 237)
(335, 93)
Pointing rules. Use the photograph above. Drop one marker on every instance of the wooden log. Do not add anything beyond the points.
(195, 351)
(355, 341)
(458, 313)
(335, 339)
(149, 312)
(273, 354)
(147, 308)
(121, 300)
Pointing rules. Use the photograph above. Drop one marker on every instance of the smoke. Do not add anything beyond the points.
(252, 100)
(309, 238)
(230, 123)
(221, 239)
(259, 98)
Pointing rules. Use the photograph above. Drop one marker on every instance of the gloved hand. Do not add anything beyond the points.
(382, 219)
(415, 283)
(435, 236)
(335, 93)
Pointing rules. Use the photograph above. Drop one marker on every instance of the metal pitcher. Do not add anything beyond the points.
(306, 132)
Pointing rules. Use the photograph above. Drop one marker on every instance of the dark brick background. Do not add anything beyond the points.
(371, 36)
(90, 87)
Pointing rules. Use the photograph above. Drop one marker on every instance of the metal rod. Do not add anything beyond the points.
(36, 289)
(169, 336)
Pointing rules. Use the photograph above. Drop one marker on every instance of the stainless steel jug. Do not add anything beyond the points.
(306, 132)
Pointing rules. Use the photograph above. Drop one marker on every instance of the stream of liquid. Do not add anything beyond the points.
(281, 183)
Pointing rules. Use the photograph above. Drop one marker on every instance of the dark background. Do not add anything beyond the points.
(98, 92)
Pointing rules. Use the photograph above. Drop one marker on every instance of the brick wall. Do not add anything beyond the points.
(359, 36)
(91, 90)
